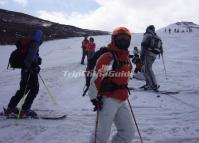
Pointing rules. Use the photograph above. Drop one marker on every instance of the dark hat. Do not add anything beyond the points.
(151, 27)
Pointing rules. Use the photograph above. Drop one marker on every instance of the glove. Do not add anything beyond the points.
(28, 70)
(39, 61)
(98, 103)
(36, 69)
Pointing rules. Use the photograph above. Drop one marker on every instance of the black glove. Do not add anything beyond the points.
(36, 69)
(28, 70)
(98, 103)
(39, 61)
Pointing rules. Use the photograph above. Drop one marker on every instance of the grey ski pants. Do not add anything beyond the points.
(117, 112)
(148, 72)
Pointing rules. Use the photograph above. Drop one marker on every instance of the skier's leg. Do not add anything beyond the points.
(34, 89)
(20, 93)
(152, 79)
(145, 70)
(83, 56)
(105, 120)
(124, 124)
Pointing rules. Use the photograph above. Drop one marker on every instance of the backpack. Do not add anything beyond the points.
(155, 45)
(18, 56)
(92, 62)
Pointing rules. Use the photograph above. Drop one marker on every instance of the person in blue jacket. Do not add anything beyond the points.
(29, 83)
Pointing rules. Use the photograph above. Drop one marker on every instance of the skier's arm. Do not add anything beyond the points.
(144, 45)
(145, 41)
(102, 67)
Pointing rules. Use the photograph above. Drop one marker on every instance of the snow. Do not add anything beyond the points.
(169, 118)
(46, 24)
(181, 26)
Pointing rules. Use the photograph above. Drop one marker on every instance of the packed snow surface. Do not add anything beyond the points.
(167, 119)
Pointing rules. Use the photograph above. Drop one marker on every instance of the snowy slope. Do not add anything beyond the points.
(173, 119)
(181, 26)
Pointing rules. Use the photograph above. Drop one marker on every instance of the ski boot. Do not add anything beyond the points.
(11, 111)
(28, 113)
(156, 88)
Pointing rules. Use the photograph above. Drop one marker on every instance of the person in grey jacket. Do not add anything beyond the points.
(148, 57)
(29, 79)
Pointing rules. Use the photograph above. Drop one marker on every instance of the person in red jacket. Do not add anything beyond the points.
(84, 47)
(91, 47)
(109, 92)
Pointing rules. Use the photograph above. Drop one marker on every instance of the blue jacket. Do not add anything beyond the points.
(38, 37)
(33, 49)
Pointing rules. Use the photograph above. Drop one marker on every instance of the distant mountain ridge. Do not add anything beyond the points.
(184, 26)
(14, 25)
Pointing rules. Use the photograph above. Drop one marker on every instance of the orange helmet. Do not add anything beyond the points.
(121, 30)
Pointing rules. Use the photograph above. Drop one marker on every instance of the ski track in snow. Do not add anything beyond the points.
(169, 118)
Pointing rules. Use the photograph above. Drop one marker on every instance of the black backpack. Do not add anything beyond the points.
(18, 56)
(92, 62)
(155, 45)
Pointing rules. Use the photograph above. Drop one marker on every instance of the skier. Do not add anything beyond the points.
(136, 52)
(136, 60)
(91, 47)
(29, 79)
(84, 48)
(169, 31)
(109, 94)
(138, 71)
(148, 56)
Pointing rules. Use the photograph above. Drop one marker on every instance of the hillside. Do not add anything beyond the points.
(181, 27)
(14, 25)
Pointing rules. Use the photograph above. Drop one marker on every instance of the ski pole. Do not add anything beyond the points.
(85, 90)
(96, 125)
(23, 101)
(24, 96)
(135, 121)
(49, 93)
(165, 72)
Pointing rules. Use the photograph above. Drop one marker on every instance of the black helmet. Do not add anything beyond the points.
(91, 39)
(151, 27)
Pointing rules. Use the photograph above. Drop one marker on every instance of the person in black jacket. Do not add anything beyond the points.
(29, 84)
(148, 57)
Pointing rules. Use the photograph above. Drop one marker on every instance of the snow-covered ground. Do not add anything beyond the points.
(168, 119)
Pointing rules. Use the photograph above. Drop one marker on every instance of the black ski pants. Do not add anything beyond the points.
(32, 87)
(84, 54)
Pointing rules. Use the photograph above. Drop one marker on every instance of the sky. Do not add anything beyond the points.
(108, 14)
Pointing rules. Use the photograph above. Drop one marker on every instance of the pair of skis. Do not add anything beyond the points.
(51, 116)
(165, 92)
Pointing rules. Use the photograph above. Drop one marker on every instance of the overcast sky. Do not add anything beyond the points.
(108, 14)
